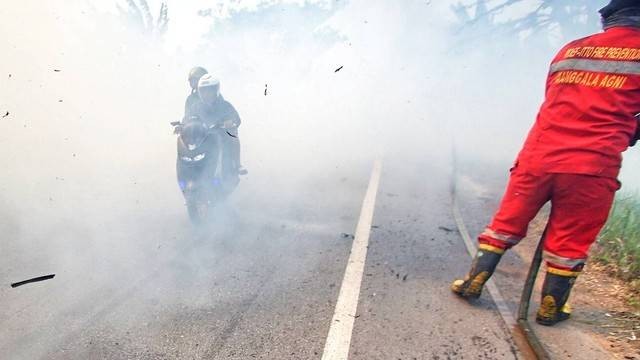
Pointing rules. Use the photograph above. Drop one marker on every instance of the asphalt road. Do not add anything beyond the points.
(260, 282)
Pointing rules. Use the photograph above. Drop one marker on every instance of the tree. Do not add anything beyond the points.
(570, 18)
(139, 15)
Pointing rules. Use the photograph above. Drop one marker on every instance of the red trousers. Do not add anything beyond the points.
(580, 207)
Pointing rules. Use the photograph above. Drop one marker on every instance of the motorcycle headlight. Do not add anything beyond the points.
(199, 157)
(186, 158)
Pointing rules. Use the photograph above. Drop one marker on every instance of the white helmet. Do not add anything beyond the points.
(208, 89)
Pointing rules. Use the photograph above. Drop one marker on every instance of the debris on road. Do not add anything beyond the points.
(36, 279)
(5, 115)
(233, 136)
(56, 70)
(444, 228)
(338, 69)
(265, 89)
(375, 226)
(347, 236)
(404, 278)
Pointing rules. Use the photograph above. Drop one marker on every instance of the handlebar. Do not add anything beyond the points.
(177, 126)
(224, 125)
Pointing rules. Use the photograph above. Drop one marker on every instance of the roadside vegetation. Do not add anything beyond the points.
(618, 246)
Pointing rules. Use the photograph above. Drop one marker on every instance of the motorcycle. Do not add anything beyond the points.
(205, 173)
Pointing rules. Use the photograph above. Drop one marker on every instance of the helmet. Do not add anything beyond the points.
(617, 5)
(209, 89)
(194, 75)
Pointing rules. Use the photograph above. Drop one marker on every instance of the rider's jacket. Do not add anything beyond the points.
(191, 105)
(215, 114)
(592, 98)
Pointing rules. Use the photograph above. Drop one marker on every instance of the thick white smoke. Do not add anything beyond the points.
(90, 96)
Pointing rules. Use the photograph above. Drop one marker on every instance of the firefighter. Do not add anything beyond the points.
(571, 157)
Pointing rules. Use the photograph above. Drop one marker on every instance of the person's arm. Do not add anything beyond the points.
(236, 116)
(232, 115)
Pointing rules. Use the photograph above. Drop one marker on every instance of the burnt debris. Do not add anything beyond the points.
(35, 279)
(446, 229)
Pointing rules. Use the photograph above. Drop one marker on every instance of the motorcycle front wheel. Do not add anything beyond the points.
(197, 212)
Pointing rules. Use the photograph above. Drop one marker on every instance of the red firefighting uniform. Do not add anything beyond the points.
(572, 155)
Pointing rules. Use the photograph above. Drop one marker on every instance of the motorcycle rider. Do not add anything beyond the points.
(213, 109)
(190, 105)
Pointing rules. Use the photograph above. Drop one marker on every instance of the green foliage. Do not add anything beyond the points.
(619, 241)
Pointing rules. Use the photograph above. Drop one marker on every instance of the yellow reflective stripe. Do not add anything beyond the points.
(489, 248)
(561, 272)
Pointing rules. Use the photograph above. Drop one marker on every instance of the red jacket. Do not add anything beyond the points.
(588, 117)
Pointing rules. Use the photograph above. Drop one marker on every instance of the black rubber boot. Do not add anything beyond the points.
(555, 293)
(482, 267)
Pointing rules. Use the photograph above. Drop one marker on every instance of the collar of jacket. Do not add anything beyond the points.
(628, 17)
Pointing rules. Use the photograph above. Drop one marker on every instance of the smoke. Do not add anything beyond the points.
(408, 82)
(90, 93)
(90, 96)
